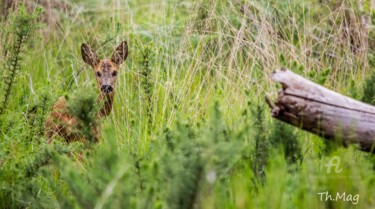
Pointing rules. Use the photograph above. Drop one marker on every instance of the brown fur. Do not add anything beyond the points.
(60, 122)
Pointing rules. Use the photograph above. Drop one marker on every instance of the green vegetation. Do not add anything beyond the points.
(189, 126)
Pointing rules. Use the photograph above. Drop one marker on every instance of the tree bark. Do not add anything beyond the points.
(326, 113)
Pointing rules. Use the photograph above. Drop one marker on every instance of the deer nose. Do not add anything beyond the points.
(106, 89)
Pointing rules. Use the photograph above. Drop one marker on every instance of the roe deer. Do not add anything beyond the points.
(60, 122)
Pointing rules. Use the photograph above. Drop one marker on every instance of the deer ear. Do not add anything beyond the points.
(120, 54)
(89, 55)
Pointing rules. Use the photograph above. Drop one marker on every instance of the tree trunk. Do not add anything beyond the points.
(326, 113)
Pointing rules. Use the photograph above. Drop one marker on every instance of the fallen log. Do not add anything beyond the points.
(326, 113)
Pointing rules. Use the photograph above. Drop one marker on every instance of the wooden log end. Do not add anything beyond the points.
(326, 113)
(281, 76)
(274, 109)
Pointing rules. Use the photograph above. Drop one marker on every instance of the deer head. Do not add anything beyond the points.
(105, 70)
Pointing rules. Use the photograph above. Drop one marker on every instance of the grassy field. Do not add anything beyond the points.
(189, 126)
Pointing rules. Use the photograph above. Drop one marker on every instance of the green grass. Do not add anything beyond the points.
(189, 126)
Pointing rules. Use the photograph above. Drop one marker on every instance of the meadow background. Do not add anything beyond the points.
(189, 127)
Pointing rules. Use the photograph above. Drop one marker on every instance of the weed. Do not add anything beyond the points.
(23, 26)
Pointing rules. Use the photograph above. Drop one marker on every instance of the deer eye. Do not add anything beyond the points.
(98, 74)
(114, 73)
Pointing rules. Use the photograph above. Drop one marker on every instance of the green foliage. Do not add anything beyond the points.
(369, 90)
(321, 76)
(178, 167)
(262, 143)
(283, 136)
(103, 188)
(188, 127)
(83, 107)
(23, 25)
(147, 54)
(183, 168)
(35, 117)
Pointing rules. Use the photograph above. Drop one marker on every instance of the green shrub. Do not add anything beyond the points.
(23, 25)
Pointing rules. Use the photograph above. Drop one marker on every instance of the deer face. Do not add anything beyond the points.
(105, 70)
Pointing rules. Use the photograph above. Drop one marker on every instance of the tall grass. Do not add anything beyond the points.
(188, 128)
